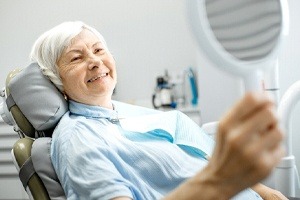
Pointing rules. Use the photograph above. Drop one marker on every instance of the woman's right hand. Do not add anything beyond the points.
(248, 144)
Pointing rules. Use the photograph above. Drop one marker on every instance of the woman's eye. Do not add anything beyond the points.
(99, 50)
(75, 58)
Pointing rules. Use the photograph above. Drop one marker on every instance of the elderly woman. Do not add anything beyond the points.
(96, 157)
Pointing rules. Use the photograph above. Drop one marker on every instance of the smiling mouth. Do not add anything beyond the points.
(98, 77)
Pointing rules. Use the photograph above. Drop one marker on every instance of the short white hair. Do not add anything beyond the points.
(49, 47)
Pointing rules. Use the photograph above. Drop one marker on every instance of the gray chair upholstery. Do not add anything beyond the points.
(36, 107)
(40, 155)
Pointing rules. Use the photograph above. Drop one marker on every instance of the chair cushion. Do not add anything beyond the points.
(38, 99)
(40, 155)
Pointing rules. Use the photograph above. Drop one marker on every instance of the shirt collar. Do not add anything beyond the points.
(90, 111)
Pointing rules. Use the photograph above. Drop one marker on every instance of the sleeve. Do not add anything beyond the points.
(86, 167)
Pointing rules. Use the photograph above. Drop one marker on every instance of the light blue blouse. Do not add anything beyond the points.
(145, 155)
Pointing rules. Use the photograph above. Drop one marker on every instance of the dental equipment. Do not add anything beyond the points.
(286, 174)
(193, 84)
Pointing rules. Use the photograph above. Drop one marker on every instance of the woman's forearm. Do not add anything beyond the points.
(268, 193)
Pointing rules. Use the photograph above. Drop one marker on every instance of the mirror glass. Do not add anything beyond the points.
(246, 29)
(240, 36)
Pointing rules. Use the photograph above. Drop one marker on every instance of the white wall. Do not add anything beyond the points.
(146, 37)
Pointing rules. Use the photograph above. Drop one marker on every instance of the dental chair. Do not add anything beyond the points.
(33, 106)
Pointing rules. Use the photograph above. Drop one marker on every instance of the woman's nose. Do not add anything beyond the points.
(94, 62)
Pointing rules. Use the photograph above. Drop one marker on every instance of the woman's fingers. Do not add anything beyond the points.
(267, 160)
(256, 125)
(247, 106)
(249, 138)
(271, 148)
(240, 129)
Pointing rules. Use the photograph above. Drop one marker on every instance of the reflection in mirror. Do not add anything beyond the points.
(240, 36)
(248, 30)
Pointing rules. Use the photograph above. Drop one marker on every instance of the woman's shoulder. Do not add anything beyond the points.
(67, 122)
(76, 128)
(68, 127)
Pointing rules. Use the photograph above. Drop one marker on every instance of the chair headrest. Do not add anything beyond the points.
(41, 103)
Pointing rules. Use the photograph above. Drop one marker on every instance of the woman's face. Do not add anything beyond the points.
(88, 70)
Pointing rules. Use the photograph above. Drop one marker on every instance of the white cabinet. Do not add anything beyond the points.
(10, 184)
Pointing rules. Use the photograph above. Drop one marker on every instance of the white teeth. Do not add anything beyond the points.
(97, 77)
(103, 75)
